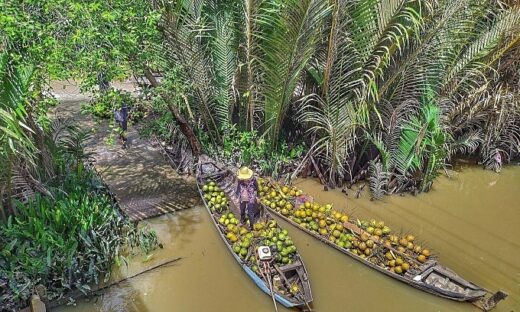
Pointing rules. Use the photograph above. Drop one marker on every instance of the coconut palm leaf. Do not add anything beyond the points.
(17, 148)
(422, 143)
(183, 29)
(379, 30)
(251, 73)
(393, 120)
(423, 63)
(467, 72)
(502, 130)
(378, 179)
(408, 157)
(334, 127)
(15, 136)
(466, 144)
(377, 141)
(287, 49)
(224, 49)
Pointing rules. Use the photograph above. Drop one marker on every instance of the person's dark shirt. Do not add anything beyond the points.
(239, 187)
(121, 115)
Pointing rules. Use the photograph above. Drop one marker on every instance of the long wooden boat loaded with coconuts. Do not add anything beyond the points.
(373, 244)
(277, 270)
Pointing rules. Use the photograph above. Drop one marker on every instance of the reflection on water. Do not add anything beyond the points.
(471, 221)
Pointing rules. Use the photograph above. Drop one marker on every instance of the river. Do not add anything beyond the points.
(471, 220)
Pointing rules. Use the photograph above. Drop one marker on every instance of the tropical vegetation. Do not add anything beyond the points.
(66, 242)
(392, 90)
(388, 90)
(60, 231)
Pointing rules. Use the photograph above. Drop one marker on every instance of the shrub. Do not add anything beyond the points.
(64, 243)
(103, 104)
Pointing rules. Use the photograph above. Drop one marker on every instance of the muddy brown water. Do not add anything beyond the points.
(472, 221)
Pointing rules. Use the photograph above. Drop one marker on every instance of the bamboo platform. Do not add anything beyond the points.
(140, 178)
(143, 182)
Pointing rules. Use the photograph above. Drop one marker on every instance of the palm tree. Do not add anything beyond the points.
(261, 63)
(17, 149)
(406, 84)
(386, 56)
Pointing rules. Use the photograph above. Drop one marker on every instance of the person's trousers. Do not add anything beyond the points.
(251, 213)
(122, 135)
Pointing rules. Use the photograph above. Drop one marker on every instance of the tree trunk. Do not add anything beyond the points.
(318, 172)
(151, 78)
(186, 130)
(183, 124)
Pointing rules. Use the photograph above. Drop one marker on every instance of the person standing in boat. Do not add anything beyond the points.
(247, 193)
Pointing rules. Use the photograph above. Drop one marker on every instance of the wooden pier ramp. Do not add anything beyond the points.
(140, 178)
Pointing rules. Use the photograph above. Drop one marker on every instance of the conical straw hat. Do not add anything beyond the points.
(244, 173)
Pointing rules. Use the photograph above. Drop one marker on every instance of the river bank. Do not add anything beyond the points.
(470, 220)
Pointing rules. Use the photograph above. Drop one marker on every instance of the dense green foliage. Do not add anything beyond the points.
(59, 231)
(352, 80)
(80, 39)
(404, 84)
(61, 243)
(104, 103)
(236, 148)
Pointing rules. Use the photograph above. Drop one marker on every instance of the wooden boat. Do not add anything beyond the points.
(430, 276)
(294, 273)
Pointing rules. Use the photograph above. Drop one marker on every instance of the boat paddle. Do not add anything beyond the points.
(264, 254)
(270, 283)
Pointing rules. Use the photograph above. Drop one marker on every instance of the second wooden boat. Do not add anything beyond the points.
(428, 275)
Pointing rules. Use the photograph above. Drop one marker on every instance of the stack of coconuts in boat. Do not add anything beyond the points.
(243, 241)
(374, 242)
(215, 197)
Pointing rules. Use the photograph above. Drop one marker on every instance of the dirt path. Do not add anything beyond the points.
(143, 182)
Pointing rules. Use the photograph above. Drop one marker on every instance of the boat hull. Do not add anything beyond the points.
(286, 302)
(474, 294)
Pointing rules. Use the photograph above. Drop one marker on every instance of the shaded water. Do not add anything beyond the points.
(472, 221)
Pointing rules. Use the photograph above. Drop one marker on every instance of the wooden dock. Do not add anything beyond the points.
(143, 182)
(140, 178)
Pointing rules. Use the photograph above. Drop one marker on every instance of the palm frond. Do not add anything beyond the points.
(287, 49)
(380, 30)
(224, 50)
(378, 179)
(466, 143)
(381, 146)
(250, 67)
(15, 137)
(334, 126)
(469, 69)
(183, 30)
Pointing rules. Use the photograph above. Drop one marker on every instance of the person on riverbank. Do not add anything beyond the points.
(121, 117)
(247, 192)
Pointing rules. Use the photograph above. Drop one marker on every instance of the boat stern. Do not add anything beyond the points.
(488, 303)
